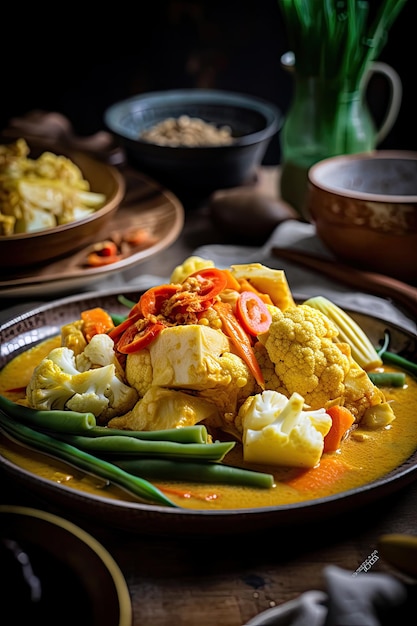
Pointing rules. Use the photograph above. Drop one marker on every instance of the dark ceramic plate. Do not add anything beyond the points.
(30, 328)
(43, 558)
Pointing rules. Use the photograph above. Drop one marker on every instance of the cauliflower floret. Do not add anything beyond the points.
(98, 352)
(303, 344)
(228, 398)
(191, 264)
(189, 357)
(138, 371)
(194, 359)
(300, 343)
(240, 384)
(271, 379)
(365, 400)
(57, 383)
(160, 409)
(277, 431)
(72, 336)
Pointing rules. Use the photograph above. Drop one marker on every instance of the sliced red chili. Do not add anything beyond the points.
(94, 259)
(133, 340)
(151, 301)
(213, 282)
(240, 339)
(252, 313)
(116, 332)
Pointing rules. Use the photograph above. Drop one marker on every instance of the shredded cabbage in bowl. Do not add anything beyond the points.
(36, 194)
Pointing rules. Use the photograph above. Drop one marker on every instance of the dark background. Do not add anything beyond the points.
(79, 65)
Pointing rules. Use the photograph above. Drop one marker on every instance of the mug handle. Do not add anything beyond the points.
(394, 104)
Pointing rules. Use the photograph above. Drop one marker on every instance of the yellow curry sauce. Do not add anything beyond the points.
(365, 456)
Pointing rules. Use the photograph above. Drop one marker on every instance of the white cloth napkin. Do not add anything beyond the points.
(306, 283)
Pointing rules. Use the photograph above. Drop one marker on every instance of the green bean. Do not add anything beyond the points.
(399, 361)
(72, 422)
(117, 318)
(57, 421)
(187, 434)
(80, 459)
(164, 469)
(123, 444)
(395, 359)
(125, 301)
(387, 379)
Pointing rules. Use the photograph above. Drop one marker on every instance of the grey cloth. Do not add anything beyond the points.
(303, 282)
(367, 599)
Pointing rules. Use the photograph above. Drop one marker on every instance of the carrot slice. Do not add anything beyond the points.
(342, 420)
(239, 339)
(245, 285)
(316, 478)
(96, 321)
(232, 282)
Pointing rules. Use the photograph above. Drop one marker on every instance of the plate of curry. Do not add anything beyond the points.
(374, 464)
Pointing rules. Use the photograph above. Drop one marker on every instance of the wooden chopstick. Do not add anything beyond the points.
(370, 282)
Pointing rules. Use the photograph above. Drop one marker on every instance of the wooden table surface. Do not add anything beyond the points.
(208, 580)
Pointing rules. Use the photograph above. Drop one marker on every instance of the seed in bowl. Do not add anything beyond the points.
(187, 131)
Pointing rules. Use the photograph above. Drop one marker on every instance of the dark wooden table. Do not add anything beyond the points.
(208, 580)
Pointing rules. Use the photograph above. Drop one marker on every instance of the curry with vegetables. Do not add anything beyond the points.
(213, 391)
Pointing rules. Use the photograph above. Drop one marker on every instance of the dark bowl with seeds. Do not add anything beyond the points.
(195, 141)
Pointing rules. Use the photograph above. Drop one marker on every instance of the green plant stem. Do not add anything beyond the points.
(333, 39)
(82, 460)
(219, 473)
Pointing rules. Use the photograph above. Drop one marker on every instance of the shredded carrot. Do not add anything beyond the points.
(342, 420)
(96, 321)
(323, 475)
(240, 340)
(232, 282)
(245, 285)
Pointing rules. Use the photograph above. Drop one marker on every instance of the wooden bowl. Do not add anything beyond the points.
(29, 249)
(364, 207)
